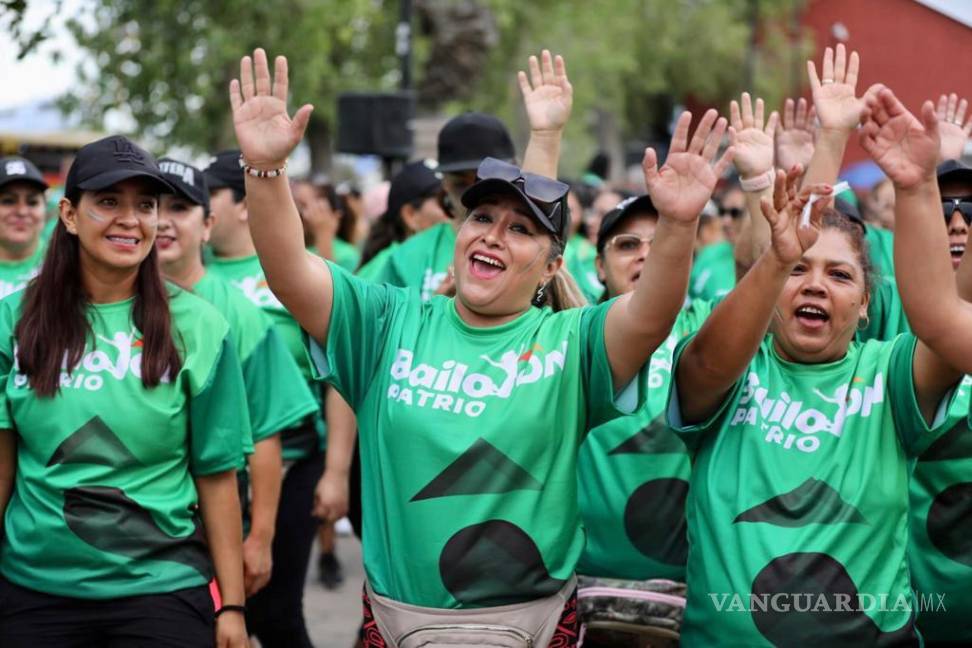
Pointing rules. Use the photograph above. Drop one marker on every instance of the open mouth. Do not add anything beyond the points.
(812, 316)
(957, 250)
(485, 266)
(124, 241)
(635, 277)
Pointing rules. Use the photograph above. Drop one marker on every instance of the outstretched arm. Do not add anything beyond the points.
(725, 345)
(267, 135)
(641, 320)
(907, 151)
(547, 98)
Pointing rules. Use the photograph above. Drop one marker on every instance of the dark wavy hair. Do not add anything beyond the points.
(54, 329)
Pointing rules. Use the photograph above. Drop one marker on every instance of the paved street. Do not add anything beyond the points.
(333, 617)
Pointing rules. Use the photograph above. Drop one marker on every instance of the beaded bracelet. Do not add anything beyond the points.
(231, 608)
(261, 173)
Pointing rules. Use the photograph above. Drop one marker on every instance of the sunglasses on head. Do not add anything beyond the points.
(547, 194)
(962, 205)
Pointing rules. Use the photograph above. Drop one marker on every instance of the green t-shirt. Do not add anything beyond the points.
(104, 504)
(277, 395)
(881, 244)
(246, 274)
(422, 261)
(886, 317)
(14, 275)
(713, 273)
(469, 440)
(798, 501)
(633, 480)
(940, 551)
(579, 257)
(371, 270)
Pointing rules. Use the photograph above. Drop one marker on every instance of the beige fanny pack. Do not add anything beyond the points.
(522, 625)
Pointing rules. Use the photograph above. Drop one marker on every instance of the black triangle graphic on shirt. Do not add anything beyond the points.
(479, 470)
(812, 502)
(93, 443)
(954, 444)
(654, 438)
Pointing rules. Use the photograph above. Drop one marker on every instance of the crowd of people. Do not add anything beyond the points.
(730, 408)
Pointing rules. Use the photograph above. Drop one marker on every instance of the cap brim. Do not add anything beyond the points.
(109, 178)
(956, 173)
(639, 205)
(31, 181)
(464, 165)
(475, 194)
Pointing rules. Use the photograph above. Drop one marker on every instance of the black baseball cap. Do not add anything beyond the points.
(111, 160)
(416, 180)
(224, 170)
(468, 139)
(954, 170)
(625, 208)
(18, 169)
(188, 181)
(545, 198)
(850, 210)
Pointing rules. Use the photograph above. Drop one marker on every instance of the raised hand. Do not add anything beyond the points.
(954, 135)
(790, 239)
(905, 148)
(265, 133)
(681, 187)
(547, 94)
(751, 139)
(794, 136)
(834, 94)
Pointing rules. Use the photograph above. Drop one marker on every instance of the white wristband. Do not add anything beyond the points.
(757, 183)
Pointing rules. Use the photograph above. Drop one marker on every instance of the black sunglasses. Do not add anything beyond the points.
(547, 194)
(963, 205)
(732, 212)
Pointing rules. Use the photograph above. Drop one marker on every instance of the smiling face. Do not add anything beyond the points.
(116, 227)
(183, 229)
(822, 302)
(958, 229)
(620, 264)
(21, 217)
(502, 257)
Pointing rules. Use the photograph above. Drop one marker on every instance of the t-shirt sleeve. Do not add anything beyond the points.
(277, 394)
(218, 417)
(361, 317)
(692, 434)
(7, 322)
(604, 401)
(915, 434)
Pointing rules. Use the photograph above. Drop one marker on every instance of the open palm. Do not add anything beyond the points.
(905, 148)
(752, 140)
(954, 135)
(681, 187)
(547, 94)
(794, 137)
(264, 131)
(834, 93)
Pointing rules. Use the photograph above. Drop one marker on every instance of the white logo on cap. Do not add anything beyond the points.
(179, 169)
(430, 164)
(16, 167)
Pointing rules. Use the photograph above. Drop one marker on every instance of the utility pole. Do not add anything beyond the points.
(403, 43)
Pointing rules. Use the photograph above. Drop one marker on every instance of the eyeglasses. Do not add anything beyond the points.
(733, 212)
(546, 194)
(963, 205)
(628, 244)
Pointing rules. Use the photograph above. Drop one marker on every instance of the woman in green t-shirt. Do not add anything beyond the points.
(802, 438)
(471, 409)
(121, 425)
(22, 211)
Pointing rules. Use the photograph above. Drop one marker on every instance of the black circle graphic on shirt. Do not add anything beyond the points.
(818, 604)
(950, 522)
(494, 563)
(654, 520)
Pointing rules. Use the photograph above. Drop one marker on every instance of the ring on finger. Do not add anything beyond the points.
(826, 81)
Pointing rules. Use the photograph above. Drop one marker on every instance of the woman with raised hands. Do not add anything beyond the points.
(798, 499)
(482, 504)
(907, 149)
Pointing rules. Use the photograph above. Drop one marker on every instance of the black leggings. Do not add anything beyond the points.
(275, 614)
(32, 619)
